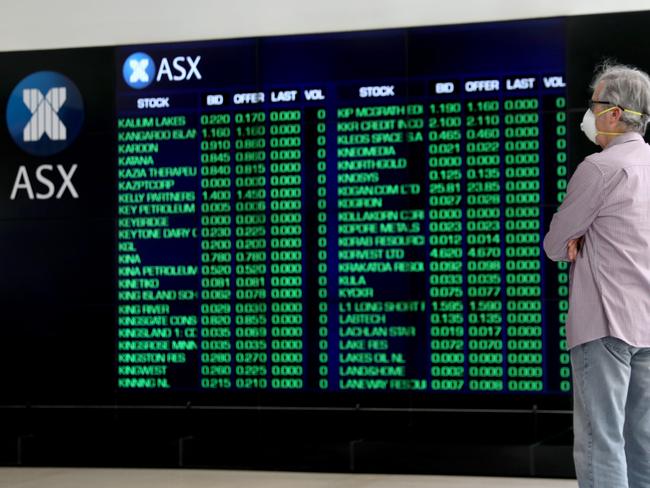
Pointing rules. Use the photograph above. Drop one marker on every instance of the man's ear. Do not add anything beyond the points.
(615, 115)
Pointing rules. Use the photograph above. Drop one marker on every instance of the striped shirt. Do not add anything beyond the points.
(607, 202)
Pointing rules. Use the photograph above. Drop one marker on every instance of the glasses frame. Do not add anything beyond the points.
(591, 104)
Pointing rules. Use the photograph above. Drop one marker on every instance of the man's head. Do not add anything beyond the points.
(620, 102)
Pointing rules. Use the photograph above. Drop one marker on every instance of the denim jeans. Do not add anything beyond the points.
(611, 414)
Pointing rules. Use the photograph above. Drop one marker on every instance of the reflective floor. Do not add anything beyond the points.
(165, 478)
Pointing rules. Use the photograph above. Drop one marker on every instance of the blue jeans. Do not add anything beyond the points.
(611, 414)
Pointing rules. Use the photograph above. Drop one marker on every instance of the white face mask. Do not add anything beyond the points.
(588, 126)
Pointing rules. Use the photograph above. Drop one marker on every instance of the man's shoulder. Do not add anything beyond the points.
(617, 156)
(592, 164)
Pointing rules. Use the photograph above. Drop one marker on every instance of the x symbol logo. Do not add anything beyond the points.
(45, 118)
(138, 70)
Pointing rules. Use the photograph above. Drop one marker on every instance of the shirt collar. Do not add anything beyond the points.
(625, 137)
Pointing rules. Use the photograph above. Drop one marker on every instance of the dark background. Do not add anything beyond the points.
(57, 296)
(56, 256)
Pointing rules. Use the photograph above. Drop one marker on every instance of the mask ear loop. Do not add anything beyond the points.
(607, 110)
(634, 112)
(643, 116)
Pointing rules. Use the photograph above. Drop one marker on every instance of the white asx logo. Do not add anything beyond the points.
(45, 114)
(139, 70)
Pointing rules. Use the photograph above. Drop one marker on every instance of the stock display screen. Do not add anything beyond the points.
(344, 212)
(326, 219)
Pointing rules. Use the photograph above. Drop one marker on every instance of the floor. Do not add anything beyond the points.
(165, 478)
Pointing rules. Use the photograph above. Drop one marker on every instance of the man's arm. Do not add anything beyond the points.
(581, 204)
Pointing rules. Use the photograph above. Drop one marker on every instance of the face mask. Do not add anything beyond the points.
(588, 124)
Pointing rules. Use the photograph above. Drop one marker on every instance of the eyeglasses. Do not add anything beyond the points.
(602, 102)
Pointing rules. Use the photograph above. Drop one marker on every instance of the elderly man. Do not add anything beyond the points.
(603, 227)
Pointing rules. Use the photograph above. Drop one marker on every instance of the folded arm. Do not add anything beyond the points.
(583, 201)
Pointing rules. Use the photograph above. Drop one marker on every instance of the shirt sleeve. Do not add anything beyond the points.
(583, 201)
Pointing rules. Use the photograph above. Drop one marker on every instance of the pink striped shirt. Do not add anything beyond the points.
(608, 201)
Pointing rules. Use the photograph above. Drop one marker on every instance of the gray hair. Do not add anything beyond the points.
(628, 87)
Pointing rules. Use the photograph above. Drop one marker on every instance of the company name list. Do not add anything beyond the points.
(338, 238)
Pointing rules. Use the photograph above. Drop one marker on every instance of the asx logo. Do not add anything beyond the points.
(45, 113)
(139, 69)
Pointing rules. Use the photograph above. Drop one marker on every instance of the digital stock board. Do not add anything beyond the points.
(330, 227)
(318, 216)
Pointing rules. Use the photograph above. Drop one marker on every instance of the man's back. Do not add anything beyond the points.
(608, 201)
(603, 226)
(617, 244)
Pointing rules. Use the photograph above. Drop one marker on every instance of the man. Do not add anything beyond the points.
(603, 227)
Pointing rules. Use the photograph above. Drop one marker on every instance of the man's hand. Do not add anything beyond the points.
(574, 247)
